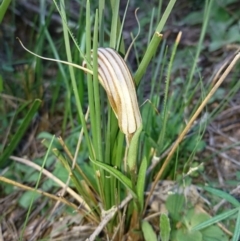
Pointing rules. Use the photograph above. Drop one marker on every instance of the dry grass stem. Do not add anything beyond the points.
(73, 160)
(135, 38)
(110, 214)
(52, 177)
(188, 126)
(25, 187)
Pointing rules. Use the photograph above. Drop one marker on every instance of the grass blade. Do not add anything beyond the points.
(73, 79)
(114, 23)
(20, 132)
(236, 234)
(36, 187)
(121, 177)
(3, 8)
(148, 232)
(152, 47)
(223, 195)
(141, 182)
(133, 150)
(215, 219)
(165, 227)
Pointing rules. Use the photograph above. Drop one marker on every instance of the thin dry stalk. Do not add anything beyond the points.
(188, 126)
(52, 177)
(25, 187)
(74, 159)
(1, 234)
(110, 214)
(224, 155)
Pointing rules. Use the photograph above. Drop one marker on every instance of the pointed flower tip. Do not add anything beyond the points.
(116, 79)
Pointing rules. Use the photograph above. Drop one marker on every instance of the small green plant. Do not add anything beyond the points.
(227, 31)
(164, 225)
(184, 221)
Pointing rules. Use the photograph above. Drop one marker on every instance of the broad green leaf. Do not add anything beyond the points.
(117, 174)
(213, 233)
(20, 132)
(27, 198)
(148, 232)
(210, 233)
(141, 182)
(194, 144)
(192, 218)
(165, 227)
(60, 172)
(193, 18)
(184, 235)
(175, 206)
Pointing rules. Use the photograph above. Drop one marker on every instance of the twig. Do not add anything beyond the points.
(110, 214)
(153, 215)
(1, 234)
(219, 132)
(223, 155)
(228, 113)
